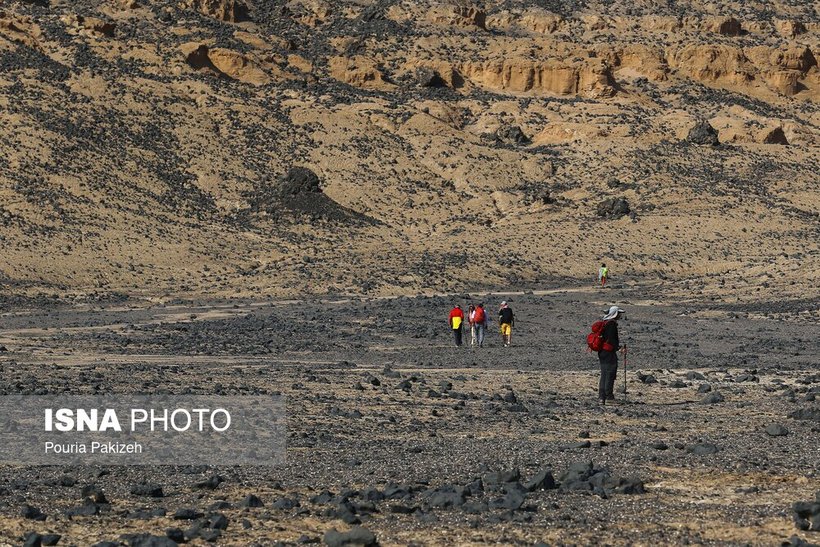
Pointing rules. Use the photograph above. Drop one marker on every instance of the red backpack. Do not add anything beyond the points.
(479, 315)
(595, 339)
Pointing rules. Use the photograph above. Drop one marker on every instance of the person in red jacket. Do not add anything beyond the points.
(456, 320)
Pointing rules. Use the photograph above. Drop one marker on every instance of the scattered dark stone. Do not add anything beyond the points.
(543, 480)
(807, 514)
(87, 509)
(712, 398)
(502, 477)
(355, 536)
(251, 501)
(796, 541)
(693, 375)
(146, 540)
(511, 501)
(427, 77)
(32, 513)
(211, 483)
(285, 504)
(660, 446)
(702, 449)
(33, 539)
(94, 492)
(776, 430)
(747, 378)
(147, 490)
(677, 384)
(175, 534)
(704, 388)
(703, 133)
(511, 134)
(811, 414)
(187, 514)
(647, 378)
(613, 208)
(574, 446)
(218, 522)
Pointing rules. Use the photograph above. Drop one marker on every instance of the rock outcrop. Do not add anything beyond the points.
(232, 11)
(359, 72)
(589, 78)
(225, 62)
(465, 16)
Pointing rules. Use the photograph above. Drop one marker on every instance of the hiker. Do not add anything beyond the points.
(608, 355)
(506, 321)
(456, 319)
(470, 318)
(603, 272)
(480, 320)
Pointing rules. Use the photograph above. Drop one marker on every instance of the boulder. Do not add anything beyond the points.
(355, 536)
(704, 134)
(225, 62)
(511, 134)
(712, 398)
(776, 430)
(613, 208)
(772, 135)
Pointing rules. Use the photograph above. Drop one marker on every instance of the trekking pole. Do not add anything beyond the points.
(625, 353)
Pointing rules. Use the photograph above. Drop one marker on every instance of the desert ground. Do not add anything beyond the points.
(279, 197)
(394, 429)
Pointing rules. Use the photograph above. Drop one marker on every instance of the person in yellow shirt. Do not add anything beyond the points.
(456, 321)
(603, 273)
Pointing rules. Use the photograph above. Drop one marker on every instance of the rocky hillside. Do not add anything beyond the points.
(202, 147)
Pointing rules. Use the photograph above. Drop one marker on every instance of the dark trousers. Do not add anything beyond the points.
(457, 336)
(609, 369)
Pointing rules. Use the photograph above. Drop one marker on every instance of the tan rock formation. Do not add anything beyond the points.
(457, 15)
(590, 78)
(97, 25)
(659, 23)
(225, 62)
(225, 10)
(19, 29)
(644, 60)
(359, 72)
(533, 20)
(713, 64)
(728, 26)
(789, 28)
(783, 69)
(310, 12)
(444, 69)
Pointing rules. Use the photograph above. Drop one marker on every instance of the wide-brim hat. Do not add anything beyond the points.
(613, 312)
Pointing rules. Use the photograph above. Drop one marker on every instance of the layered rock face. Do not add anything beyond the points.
(145, 140)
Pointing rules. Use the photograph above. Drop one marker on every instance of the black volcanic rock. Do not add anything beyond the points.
(703, 133)
(355, 536)
(613, 208)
